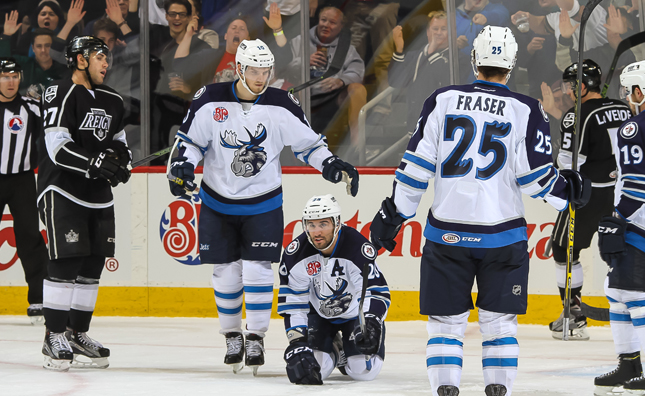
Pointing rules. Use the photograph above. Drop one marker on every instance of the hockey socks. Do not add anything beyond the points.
(57, 301)
(258, 295)
(500, 349)
(227, 283)
(444, 351)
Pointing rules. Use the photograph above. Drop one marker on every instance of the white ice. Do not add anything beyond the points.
(184, 356)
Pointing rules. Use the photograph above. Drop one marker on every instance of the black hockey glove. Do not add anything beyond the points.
(579, 187)
(368, 343)
(182, 176)
(611, 238)
(302, 366)
(386, 225)
(104, 165)
(333, 168)
(122, 152)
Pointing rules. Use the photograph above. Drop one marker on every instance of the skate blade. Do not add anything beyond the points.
(56, 364)
(255, 370)
(608, 390)
(84, 362)
(634, 392)
(576, 336)
(37, 320)
(237, 367)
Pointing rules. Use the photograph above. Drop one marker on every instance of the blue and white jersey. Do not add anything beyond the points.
(330, 285)
(241, 144)
(483, 145)
(629, 194)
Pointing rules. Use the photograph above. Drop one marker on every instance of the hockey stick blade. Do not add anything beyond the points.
(623, 46)
(595, 313)
(152, 156)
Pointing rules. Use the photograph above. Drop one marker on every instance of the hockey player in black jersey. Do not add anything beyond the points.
(600, 118)
(321, 276)
(22, 125)
(84, 154)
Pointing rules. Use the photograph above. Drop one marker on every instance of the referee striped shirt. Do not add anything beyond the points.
(21, 126)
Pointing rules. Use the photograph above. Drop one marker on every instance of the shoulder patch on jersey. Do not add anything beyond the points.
(293, 98)
(629, 130)
(368, 251)
(293, 247)
(50, 93)
(199, 92)
(546, 117)
(569, 120)
(16, 124)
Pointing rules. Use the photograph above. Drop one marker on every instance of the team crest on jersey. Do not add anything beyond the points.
(220, 114)
(293, 247)
(569, 120)
(450, 238)
(199, 92)
(335, 303)
(546, 117)
(16, 124)
(629, 130)
(178, 230)
(293, 98)
(368, 251)
(50, 93)
(98, 122)
(249, 156)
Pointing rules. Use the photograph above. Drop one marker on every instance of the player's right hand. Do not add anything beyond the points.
(104, 165)
(579, 187)
(611, 238)
(386, 225)
(182, 170)
(302, 366)
(333, 169)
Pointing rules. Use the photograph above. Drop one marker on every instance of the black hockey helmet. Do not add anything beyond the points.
(83, 45)
(591, 74)
(9, 65)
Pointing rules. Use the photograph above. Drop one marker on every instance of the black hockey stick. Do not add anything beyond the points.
(152, 156)
(361, 315)
(344, 41)
(595, 313)
(591, 5)
(624, 46)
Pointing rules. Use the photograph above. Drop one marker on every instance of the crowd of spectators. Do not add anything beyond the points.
(391, 44)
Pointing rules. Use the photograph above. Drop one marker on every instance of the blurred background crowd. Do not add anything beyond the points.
(399, 52)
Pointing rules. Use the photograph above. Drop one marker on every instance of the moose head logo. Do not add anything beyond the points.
(249, 155)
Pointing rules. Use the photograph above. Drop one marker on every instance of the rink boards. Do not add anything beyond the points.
(156, 270)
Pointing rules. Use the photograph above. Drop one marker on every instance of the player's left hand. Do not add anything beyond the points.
(579, 187)
(369, 343)
(183, 171)
(336, 170)
(611, 238)
(386, 225)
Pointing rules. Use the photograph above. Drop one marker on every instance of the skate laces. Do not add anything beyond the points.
(234, 344)
(86, 340)
(59, 342)
(254, 347)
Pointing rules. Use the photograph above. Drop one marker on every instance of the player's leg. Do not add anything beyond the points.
(219, 245)
(447, 275)
(29, 241)
(261, 243)
(626, 344)
(320, 337)
(502, 282)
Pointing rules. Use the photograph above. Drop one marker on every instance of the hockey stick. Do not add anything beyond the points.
(361, 315)
(336, 64)
(595, 313)
(152, 156)
(623, 46)
(574, 165)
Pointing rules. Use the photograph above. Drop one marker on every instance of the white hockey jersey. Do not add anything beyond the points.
(483, 145)
(241, 149)
(331, 286)
(629, 194)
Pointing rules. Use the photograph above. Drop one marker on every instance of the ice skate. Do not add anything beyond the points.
(577, 323)
(629, 367)
(35, 314)
(448, 390)
(234, 351)
(635, 386)
(337, 345)
(254, 352)
(58, 353)
(495, 390)
(88, 353)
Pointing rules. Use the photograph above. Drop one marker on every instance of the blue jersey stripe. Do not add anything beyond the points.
(616, 317)
(638, 322)
(286, 290)
(442, 360)
(258, 289)
(420, 161)
(241, 210)
(229, 311)
(445, 341)
(501, 341)
(475, 240)
(288, 307)
(229, 296)
(258, 306)
(499, 362)
(410, 181)
(527, 179)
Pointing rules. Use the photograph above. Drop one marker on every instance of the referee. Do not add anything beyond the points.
(21, 126)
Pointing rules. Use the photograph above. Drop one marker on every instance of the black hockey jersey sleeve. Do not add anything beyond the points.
(60, 123)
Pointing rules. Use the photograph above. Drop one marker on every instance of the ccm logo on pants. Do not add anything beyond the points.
(264, 244)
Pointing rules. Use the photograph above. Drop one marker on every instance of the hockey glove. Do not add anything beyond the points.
(103, 165)
(302, 366)
(611, 238)
(386, 225)
(122, 154)
(579, 187)
(336, 170)
(369, 343)
(182, 176)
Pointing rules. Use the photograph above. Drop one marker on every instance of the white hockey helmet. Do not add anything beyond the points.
(632, 75)
(254, 53)
(494, 46)
(322, 207)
